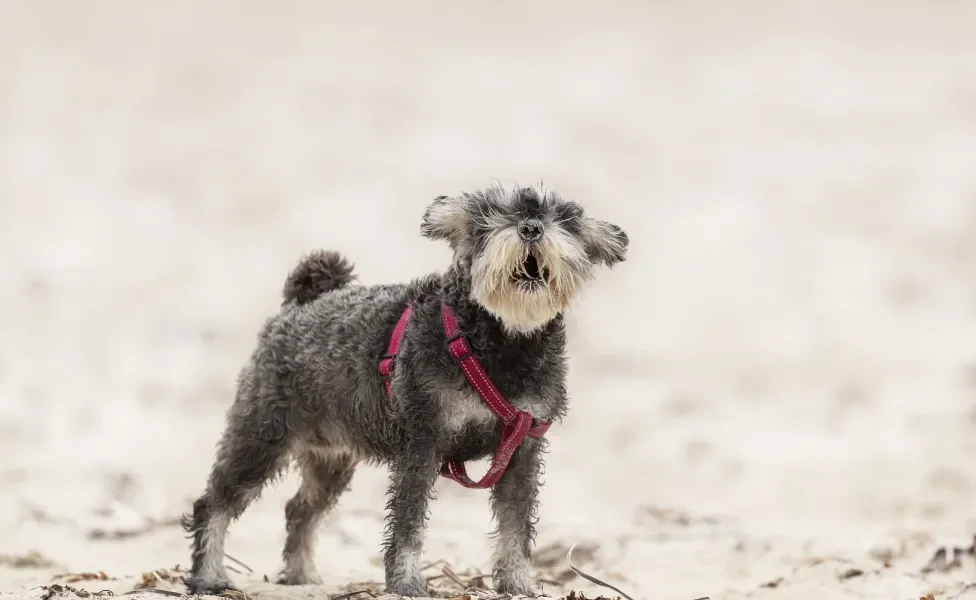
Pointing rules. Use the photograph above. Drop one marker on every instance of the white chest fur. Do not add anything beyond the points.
(465, 407)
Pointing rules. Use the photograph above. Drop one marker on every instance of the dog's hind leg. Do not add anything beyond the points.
(325, 476)
(246, 460)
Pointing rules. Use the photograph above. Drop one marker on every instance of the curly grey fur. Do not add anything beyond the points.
(319, 272)
(311, 391)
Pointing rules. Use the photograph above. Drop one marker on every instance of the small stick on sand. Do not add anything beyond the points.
(163, 581)
(351, 594)
(431, 565)
(155, 591)
(590, 578)
(453, 577)
(231, 558)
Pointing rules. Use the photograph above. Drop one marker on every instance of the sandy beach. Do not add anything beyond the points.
(773, 397)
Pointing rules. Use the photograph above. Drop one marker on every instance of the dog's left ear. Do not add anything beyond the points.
(445, 219)
(605, 242)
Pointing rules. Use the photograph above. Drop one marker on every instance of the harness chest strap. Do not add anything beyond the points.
(516, 424)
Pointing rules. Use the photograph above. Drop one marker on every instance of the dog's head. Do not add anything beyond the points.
(529, 252)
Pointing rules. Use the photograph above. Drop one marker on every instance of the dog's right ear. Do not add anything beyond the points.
(445, 219)
(605, 242)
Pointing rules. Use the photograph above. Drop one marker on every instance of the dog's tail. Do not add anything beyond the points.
(317, 273)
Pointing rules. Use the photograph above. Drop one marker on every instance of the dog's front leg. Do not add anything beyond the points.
(412, 479)
(514, 501)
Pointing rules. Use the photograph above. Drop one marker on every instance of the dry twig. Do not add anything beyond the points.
(351, 594)
(590, 578)
(155, 591)
(242, 565)
(446, 570)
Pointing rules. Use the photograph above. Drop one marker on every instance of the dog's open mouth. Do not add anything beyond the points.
(531, 272)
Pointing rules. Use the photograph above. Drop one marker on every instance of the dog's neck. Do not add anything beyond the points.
(456, 291)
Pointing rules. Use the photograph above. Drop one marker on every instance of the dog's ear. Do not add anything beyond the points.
(605, 242)
(445, 219)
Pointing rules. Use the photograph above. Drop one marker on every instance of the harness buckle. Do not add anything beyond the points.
(391, 366)
(458, 336)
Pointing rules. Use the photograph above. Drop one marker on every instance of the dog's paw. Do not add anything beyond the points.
(514, 584)
(209, 586)
(414, 589)
(516, 590)
(312, 578)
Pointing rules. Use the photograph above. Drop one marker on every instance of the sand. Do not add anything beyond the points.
(772, 398)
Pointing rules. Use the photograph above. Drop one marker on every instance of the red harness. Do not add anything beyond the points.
(516, 424)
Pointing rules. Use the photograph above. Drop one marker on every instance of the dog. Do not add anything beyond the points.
(419, 376)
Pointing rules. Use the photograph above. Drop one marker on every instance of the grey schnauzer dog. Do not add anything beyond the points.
(311, 391)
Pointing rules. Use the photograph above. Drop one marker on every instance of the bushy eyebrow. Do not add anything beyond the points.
(568, 215)
(487, 213)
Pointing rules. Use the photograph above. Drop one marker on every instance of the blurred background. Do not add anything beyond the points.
(783, 371)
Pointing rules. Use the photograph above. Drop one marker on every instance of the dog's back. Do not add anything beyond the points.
(320, 354)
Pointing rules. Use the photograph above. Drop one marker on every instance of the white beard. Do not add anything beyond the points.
(524, 307)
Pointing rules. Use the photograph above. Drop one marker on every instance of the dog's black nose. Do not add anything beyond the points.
(530, 229)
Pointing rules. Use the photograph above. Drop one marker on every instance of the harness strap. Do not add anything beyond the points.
(388, 362)
(460, 350)
(516, 424)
